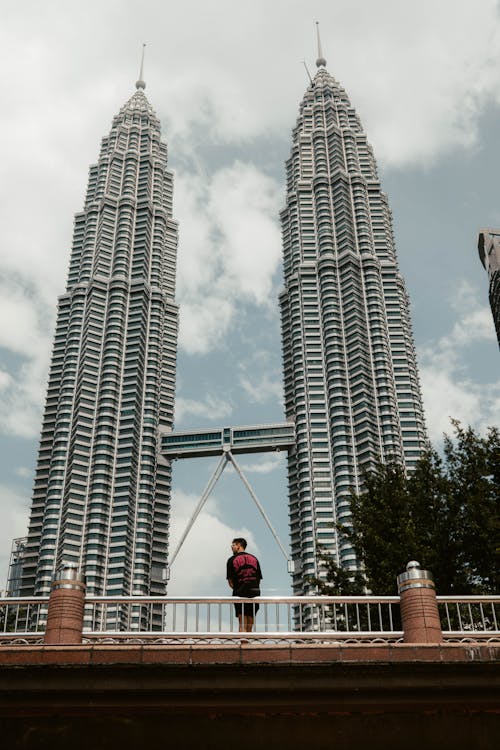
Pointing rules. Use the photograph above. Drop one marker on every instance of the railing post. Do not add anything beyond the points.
(66, 605)
(419, 610)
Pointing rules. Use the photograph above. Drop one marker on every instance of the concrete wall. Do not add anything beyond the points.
(342, 697)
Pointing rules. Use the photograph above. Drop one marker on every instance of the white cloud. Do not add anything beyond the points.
(447, 397)
(475, 326)
(262, 389)
(449, 392)
(203, 323)
(474, 323)
(259, 377)
(200, 567)
(25, 333)
(229, 249)
(19, 309)
(212, 407)
(265, 466)
(244, 203)
(432, 69)
(5, 380)
(214, 103)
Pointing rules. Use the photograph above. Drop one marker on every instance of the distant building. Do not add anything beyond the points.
(350, 371)
(16, 567)
(101, 497)
(489, 252)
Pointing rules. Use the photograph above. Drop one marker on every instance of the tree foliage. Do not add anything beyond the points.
(445, 515)
(336, 580)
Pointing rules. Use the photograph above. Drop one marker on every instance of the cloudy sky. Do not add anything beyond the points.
(226, 79)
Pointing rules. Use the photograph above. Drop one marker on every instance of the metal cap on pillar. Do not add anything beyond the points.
(419, 610)
(68, 577)
(415, 578)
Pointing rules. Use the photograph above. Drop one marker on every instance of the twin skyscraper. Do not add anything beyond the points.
(102, 492)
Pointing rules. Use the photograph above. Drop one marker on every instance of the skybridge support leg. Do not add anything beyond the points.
(208, 489)
(263, 513)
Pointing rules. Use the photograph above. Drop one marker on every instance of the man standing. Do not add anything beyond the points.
(244, 576)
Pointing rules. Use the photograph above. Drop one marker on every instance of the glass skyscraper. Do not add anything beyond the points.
(350, 371)
(489, 252)
(101, 497)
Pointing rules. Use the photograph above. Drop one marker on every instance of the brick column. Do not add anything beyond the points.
(419, 611)
(66, 603)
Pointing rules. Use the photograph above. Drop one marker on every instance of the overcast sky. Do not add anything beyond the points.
(226, 79)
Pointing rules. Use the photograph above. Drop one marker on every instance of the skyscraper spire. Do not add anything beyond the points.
(320, 62)
(140, 84)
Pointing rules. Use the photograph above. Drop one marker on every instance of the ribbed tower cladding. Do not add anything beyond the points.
(350, 371)
(489, 252)
(101, 498)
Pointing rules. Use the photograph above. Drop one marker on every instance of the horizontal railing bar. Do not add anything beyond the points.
(469, 598)
(369, 599)
(466, 633)
(236, 635)
(230, 599)
(24, 600)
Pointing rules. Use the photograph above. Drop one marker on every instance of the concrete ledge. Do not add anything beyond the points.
(246, 654)
(389, 697)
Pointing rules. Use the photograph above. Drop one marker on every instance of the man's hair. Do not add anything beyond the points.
(240, 540)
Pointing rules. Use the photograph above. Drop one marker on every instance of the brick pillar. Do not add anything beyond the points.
(66, 603)
(419, 611)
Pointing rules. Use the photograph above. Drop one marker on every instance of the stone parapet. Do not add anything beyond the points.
(430, 696)
(247, 654)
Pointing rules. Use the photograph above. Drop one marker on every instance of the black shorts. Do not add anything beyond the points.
(249, 609)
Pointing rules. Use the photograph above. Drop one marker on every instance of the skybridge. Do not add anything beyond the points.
(246, 439)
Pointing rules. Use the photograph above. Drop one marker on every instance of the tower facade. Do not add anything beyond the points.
(350, 371)
(489, 253)
(101, 498)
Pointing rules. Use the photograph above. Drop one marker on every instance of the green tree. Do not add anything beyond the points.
(473, 470)
(337, 581)
(445, 515)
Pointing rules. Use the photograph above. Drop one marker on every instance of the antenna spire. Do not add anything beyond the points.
(320, 62)
(140, 84)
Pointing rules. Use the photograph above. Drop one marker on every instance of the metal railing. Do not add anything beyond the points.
(192, 619)
(349, 619)
(23, 619)
(470, 618)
